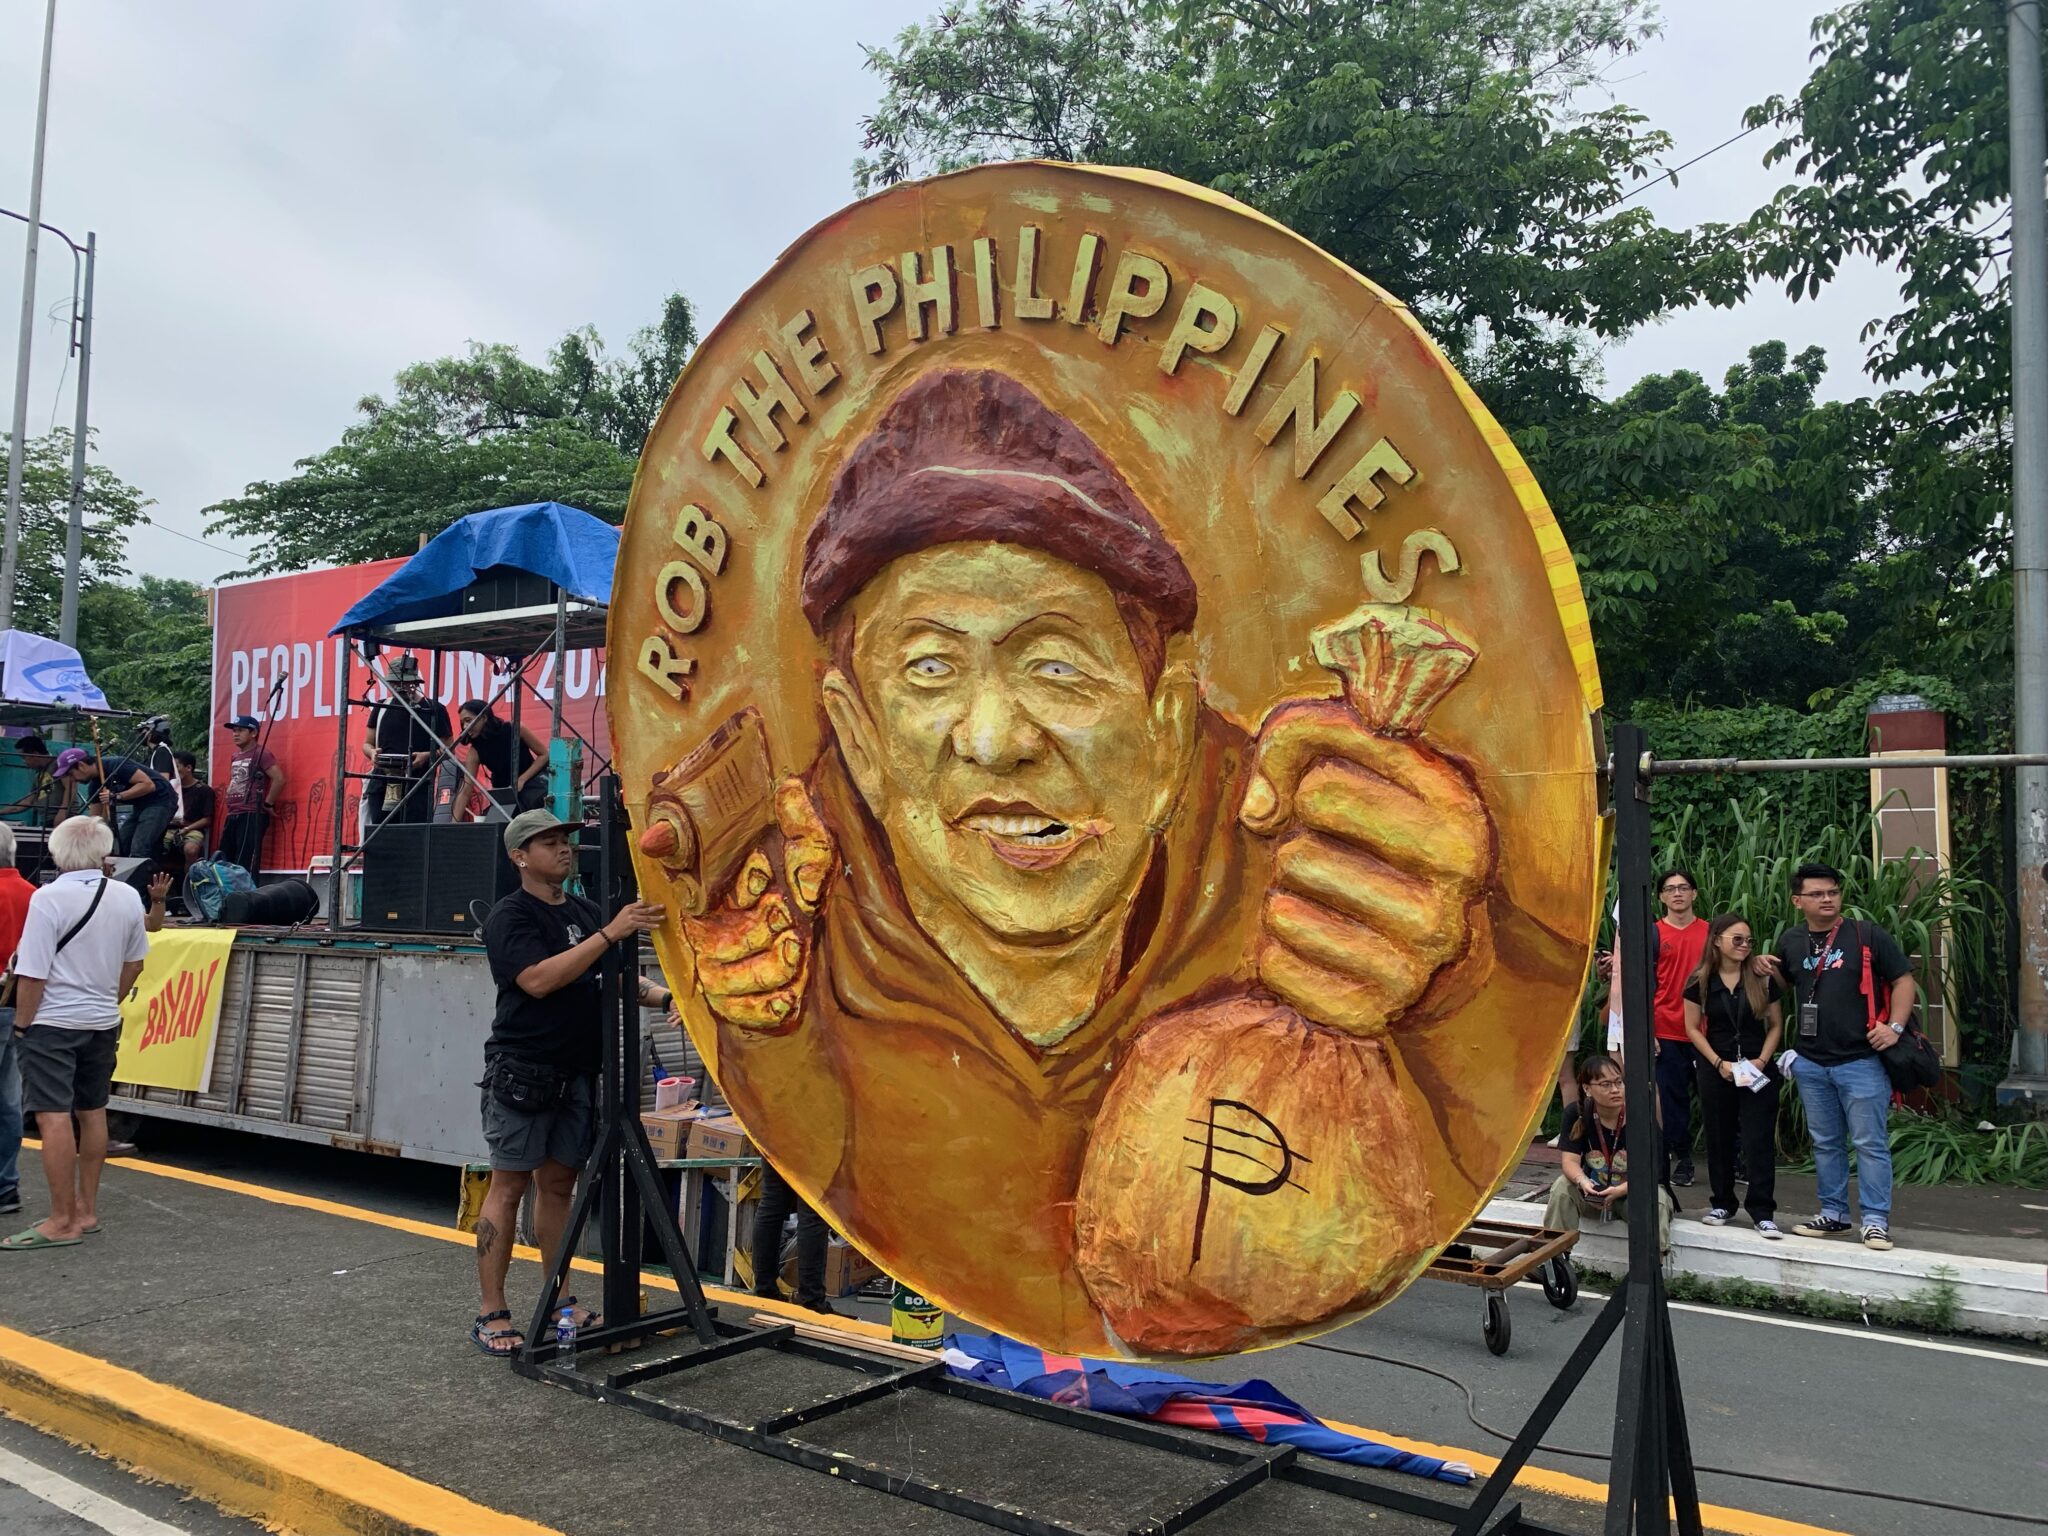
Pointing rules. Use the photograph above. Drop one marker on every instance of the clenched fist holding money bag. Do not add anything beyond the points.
(1103, 889)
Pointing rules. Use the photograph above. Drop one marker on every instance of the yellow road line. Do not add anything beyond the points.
(244, 1464)
(1734, 1522)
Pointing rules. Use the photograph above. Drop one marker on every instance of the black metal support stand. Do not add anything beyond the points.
(1652, 1455)
(621, 1181)
(1652, 1469)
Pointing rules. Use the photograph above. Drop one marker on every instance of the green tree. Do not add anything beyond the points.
(112, 507)
(149, 646)
(461, 434)
(1721, 536)
(1436, 145)
(1898, 142)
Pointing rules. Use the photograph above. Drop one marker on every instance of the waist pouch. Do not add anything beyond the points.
(527, 1086)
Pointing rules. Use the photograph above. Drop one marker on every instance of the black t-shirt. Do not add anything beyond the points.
(199, 804)
(1835, 980)
(396, 731)
(119, 773)
(1604, 1153)
(1731, 1026)
(561, 1029)
(502, 750)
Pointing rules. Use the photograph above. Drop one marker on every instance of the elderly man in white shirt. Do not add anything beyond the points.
(81, 950)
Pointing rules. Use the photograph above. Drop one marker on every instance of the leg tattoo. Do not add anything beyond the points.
(486, 1235)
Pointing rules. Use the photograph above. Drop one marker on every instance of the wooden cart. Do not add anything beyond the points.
(1494, 1255)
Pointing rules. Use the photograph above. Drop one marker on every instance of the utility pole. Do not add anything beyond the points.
(74, 528)
(17, 445)
(2029, 141)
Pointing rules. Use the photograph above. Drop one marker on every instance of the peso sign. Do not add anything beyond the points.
(1109, 714)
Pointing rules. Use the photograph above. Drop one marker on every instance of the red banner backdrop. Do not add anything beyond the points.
(273, 658)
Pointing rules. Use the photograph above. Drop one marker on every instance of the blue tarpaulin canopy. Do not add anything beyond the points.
(567, 545)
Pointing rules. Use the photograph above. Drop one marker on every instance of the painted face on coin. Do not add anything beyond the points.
(1109, 715)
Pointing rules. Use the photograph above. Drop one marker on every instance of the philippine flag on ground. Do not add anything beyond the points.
(1255, 1410)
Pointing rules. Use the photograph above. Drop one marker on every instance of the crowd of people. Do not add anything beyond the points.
(1730, 1024)
(1732, 1021)
(161, 809)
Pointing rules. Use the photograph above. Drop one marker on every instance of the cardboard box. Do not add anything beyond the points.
(721, 1137)
(847, 1269)
(668, 1130)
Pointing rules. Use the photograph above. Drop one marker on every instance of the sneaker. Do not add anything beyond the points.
(1682, 1175)
(1877, 1237)
(1823, 1225)
(1717, 1217)
(1768, 1228)
(9, 1204)
(822, 1306)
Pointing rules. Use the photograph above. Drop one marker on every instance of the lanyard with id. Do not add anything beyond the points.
(1809, 1005)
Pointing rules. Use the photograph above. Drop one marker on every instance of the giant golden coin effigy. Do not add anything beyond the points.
(1109, 714)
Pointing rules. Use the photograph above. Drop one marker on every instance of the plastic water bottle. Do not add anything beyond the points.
(565, 1335)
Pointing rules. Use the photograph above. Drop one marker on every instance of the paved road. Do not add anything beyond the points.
(50, 1488)
(1868, 1411)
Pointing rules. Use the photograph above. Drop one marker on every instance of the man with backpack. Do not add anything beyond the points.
(1850, 997)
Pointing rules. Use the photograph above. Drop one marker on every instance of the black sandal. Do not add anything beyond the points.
(487, 1338)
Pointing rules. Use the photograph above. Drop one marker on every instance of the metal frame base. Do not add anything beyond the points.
(1240, 1465)
(1652, 1462)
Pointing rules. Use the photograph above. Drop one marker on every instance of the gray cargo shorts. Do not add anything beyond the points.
(66, 1069)
(564, 1134)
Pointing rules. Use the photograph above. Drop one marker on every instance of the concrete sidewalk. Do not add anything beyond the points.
(1978, 1251)
(320, 1350)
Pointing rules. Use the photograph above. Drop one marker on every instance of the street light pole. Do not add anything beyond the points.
(2029, 152)
(74, 527)
(17, 446)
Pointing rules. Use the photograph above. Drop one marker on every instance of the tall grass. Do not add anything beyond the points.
(1745, 865)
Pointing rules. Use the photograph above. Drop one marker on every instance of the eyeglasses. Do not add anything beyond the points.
(1739, 941)
(1607, 1082)
(1674, 886)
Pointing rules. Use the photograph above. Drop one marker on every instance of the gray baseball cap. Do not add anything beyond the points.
(528, 825)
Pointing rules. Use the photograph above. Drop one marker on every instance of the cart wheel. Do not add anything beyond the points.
(1499, 1328)
(1560, 1282)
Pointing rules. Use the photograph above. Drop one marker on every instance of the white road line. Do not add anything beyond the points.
(77, 1499)
(1773, 1320)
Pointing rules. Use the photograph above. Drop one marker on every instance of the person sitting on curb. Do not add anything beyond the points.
(81, 950)
(1836, 1037)
(1595, 1143)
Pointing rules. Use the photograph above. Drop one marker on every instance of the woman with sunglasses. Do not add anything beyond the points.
(1734, 1019)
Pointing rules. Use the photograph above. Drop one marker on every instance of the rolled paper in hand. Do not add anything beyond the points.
(1397, 662)
(1250, 1174)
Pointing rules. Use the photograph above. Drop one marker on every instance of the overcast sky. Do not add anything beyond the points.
(294, 201)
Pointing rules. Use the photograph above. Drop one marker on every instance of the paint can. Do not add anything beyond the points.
(914, 1320)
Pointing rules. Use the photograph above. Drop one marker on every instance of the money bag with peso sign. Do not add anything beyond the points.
(1110, 715)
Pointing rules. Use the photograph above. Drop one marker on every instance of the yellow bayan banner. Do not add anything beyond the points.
(167, 1022)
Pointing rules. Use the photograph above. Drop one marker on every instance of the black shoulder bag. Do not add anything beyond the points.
(1911, 1063)
(7, 994)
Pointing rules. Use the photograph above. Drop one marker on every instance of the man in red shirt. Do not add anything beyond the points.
(1677, 941)
(14, 895)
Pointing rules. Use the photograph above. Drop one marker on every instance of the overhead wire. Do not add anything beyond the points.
(1672, 174)
(1472, 1414)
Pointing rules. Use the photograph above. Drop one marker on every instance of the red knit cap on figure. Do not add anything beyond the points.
(970, 456)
